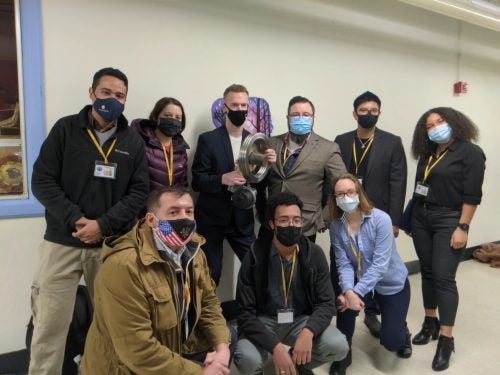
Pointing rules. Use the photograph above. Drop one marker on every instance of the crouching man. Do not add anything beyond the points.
(285, 297)
(156, 311)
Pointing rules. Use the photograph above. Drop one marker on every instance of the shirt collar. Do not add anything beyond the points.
(93, 124)
(165, 251)
(343, 218)
(274, 251)
(287, 142)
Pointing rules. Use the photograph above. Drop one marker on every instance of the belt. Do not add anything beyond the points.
(435, 207)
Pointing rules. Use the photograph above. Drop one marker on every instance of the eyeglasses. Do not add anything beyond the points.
(296, 221)
(363, 111)
(342, 194)
(298, 114)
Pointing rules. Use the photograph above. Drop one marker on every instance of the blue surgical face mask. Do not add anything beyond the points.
(301, 125)
(109, 108)
(347, 204)
(440, 134)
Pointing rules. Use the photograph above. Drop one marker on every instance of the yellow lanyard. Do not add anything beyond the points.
(99, 148)
(429, 167)
(187, 291)
(355, 250)
(286, 290)
(170, 165)
(355, 154)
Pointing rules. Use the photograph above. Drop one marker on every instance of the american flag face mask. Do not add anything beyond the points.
(175, 233)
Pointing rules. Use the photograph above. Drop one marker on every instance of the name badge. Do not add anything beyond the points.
(285, 316)
(360, 179)
(422, 189)
(103, 170)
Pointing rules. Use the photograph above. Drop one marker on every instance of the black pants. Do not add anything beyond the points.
(393, 308)
(214, 250)
(432, 228)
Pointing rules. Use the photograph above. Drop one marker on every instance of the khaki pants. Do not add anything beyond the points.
(56, 279)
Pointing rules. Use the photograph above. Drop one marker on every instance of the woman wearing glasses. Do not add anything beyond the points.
(165, 146)
(367, 262)
(448, 185)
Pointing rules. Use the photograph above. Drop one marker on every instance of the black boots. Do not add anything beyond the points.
(340, 367)
(406, 350)
(430, 328)
(301, 370)
(441, 360)
(373, 324)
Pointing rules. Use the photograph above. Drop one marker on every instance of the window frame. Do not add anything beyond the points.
(33, 91)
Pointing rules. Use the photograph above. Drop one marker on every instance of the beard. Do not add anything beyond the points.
(299, 139)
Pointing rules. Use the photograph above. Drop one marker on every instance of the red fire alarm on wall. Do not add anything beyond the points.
(460, 87)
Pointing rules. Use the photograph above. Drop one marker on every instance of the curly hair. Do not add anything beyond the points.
(463, 129)
(283, 198)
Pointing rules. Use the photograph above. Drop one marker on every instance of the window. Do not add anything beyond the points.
(22, 115)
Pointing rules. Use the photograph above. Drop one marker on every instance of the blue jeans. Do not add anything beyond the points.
(330, 346)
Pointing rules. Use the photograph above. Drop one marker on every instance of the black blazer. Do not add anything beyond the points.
(386, 172)
(213, 158)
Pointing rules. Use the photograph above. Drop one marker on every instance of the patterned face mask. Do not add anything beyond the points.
(175, 233)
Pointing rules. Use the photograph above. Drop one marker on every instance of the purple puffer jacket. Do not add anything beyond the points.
(158, 175)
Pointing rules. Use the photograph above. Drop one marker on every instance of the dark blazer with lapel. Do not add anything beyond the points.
(386, 172)
(213, 158)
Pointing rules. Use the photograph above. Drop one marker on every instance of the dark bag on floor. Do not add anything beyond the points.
(77, 333)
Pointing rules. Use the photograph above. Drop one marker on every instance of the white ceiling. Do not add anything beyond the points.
(485, 13)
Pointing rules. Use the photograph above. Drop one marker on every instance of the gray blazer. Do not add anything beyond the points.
(318, 164)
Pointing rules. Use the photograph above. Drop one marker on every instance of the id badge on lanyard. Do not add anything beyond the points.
(103, 170)
(285, 316)
(422, 189)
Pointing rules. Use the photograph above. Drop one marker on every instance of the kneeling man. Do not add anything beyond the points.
(285, 297)
(156, 311)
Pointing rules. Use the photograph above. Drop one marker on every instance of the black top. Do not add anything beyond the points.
(457, 178)
(275, 298)
(384, 171)
(319, 299)
(64, 183)
(359, 154)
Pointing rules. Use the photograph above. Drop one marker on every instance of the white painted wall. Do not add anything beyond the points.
(328, 51)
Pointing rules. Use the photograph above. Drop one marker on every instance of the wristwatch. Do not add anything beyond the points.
(464, 227)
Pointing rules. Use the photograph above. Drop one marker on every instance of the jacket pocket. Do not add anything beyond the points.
(164, 313)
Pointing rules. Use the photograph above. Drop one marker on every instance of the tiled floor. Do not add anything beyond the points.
(477, 332)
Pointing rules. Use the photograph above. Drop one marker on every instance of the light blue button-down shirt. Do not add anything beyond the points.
(382, 269)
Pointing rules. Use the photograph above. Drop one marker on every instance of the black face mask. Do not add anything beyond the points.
(169, 126)
(288, 236)
(367, 121)
(183, 227)
(237, 118)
